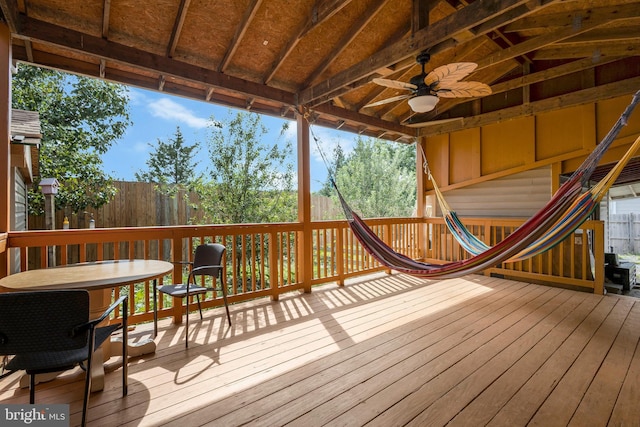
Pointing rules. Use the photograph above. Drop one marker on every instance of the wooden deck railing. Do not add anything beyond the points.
(266, 259)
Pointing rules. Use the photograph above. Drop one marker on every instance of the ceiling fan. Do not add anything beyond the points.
(427, 88)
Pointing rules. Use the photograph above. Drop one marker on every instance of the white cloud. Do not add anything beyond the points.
(166, 108)
(137, 97)
(328, 140)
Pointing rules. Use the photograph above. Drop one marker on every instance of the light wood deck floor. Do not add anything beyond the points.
(385, 351)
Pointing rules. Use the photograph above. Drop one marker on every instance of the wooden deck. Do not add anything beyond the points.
(386, 351)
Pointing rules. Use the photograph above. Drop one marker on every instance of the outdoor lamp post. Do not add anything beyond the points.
(49, 188)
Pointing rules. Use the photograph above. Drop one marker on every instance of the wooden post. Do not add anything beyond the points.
(420, 198)
(304, 203)
(5, 126)
(598, 255)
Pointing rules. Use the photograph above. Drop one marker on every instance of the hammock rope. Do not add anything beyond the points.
(566, 207)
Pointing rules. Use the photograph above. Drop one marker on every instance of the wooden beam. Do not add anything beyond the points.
(467, 18)
(106, 12)
(322, 11)
(80, 42)
(585, 96)
(550, 73)
(347, 38)
(583, 22)
(565, 51)
(249, 14)
(420, 14)
(353, 116)
(549, 22)
(177, 27)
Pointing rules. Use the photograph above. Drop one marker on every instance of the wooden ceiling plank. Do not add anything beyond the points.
(323, 10)
(248, 16)
(585, 96)
(177, 27)
(344, 42)
(106, 12)
(463, 20)
(586, 23)
(85, 43)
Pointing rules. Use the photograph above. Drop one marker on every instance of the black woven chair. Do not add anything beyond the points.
(50, 331)
(207, 261)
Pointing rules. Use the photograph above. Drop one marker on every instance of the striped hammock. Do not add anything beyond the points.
(564, 213)
(577, 214)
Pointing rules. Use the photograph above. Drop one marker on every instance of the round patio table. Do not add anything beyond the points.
(98, 278)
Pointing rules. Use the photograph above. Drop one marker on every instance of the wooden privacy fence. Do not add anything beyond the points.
(136, 204)
(624, 233)
(142, 204)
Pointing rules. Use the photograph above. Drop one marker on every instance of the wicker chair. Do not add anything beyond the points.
(51, 331)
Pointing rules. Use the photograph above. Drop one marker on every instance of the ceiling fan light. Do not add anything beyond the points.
(424, 103)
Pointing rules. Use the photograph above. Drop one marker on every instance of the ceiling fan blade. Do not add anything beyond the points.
(417, 124)
(395, 84)
(388, 100)
(450, 73)
(463, 90)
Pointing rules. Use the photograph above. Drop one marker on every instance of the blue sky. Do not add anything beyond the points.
(156, 115)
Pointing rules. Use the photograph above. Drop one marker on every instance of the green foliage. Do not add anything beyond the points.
(251, 180)
(378, 178)
(171, 164)
(80, 119)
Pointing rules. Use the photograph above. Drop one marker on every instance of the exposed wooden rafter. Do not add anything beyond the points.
(249, 13)
(106, 12)
(81, 42)
(177, 27)
(465, 19)
(323, 10)
(347, 38)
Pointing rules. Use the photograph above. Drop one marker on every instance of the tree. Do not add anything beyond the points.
(378, 179)
(337, 162)
(171, 162)
(80, 119)
(252, 181)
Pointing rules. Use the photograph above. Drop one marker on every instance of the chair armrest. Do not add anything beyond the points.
(202, 267)
(92, 323)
